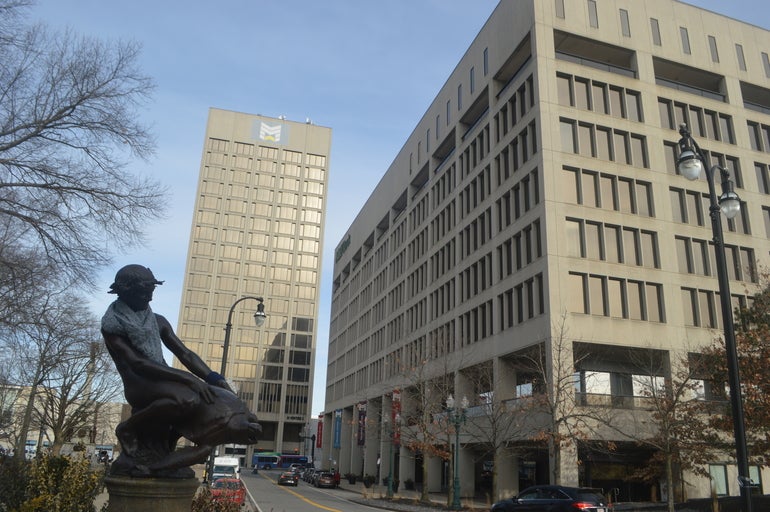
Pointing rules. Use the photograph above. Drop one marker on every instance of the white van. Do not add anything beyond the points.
(226, 467)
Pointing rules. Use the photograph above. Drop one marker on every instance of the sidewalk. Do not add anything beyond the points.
(406, 500)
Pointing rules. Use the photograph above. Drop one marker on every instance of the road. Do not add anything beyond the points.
(271, 497)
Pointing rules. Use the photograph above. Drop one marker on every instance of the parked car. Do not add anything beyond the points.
(325, 479)
(554, 498)
(228, 489)
(296, 468)
(288, 478)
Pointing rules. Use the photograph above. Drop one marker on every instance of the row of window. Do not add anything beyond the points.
(244, 148)
(604, 142)
(615, 297)
(587, 94)
(655, 33)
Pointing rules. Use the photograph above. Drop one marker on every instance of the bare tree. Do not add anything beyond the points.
(76, 389)
(49, 341)
(493, 422)
(68, 128)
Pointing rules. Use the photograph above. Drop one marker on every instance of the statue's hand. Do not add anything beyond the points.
(206, 394)
(224, 385)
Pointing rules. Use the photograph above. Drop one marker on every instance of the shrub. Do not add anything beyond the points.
(61, 484)
(203, 502)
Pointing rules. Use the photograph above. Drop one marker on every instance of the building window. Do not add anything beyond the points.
(559, 6)
(655, 28)
(593, 16)
(625, 27)
(741, 58)
(718, 474)
(472, 79)
(486, 61)
(766, 63)
(460, 97)
(713, 48)
(685, 40)
(448, 108)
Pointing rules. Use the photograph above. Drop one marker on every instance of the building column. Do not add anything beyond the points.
(507, 473)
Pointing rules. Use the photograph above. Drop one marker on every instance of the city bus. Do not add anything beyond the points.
(271, 460)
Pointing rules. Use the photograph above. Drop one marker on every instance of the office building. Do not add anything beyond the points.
(257, 232)
(536, 208)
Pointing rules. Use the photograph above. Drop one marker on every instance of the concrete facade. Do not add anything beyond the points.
(536, 206)
(257, 232)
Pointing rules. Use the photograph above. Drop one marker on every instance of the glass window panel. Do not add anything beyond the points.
(582, 94)
(680, 114)
(637, 151)
(712, 124)
(619, 147)
(624, 25)
(653, 298)
(695, 124)
(643, 199)
(655, 29)
(598, 383)
(568, 136)
(616, 102)
(612, 243)
(630, 253)
(699, 257)
(766, 216)
(740, 56)
(683, 254)
(608, 192)
(573, 238)
(576, 299)
(649, 254)
(599, 93)
(633, 106)
(593, 16)
(705, 309)
(603, 143)
(593, 240)
(571, 186)
(625, 195)
(754, 136)
(634, 299)
(615, 297)
(688, 306)
(596, 295)
(564, 86)
(718, 473)
(685, 40)
(713, 49)
(586, 139)
(589, 189)
(666, 114)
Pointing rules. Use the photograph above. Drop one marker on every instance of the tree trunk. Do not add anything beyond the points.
(669, 483)
(21, 442)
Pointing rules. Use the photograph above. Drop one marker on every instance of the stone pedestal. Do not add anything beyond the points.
(150, 494)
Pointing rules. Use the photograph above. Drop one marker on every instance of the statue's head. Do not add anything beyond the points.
(134, 279)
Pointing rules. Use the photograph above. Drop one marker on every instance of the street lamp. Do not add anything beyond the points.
(259, 320)
(392, 432)
(457, 418)
(690, 163)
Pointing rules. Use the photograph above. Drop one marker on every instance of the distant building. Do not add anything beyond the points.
(541, 184)
(257, 232)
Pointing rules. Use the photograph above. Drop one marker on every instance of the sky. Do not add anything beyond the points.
(368, 69)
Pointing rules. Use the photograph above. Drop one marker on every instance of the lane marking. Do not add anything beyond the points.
(298, 495)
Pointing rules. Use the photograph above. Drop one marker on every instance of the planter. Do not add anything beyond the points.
(409, 485)
(352, 480)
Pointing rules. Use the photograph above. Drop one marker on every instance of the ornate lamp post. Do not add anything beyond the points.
(259, 320)
(691, 163)
(391, 429)
(457, 418)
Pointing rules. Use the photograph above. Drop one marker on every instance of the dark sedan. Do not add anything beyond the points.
(288, 478)
(554, 498)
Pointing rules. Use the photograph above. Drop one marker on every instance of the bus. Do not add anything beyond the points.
(271, 460)
(266, 460)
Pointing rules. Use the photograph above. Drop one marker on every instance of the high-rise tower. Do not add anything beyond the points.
(257, 232)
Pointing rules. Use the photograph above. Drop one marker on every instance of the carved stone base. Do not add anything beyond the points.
(150, 494)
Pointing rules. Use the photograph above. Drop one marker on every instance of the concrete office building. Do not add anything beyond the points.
(537, 205)
(257, 232)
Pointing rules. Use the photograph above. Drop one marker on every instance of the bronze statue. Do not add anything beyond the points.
(167, 403)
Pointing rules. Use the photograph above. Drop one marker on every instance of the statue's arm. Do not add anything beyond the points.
(125, 356)
(187, 357)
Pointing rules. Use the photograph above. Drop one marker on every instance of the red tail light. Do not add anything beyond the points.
(582, 505)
